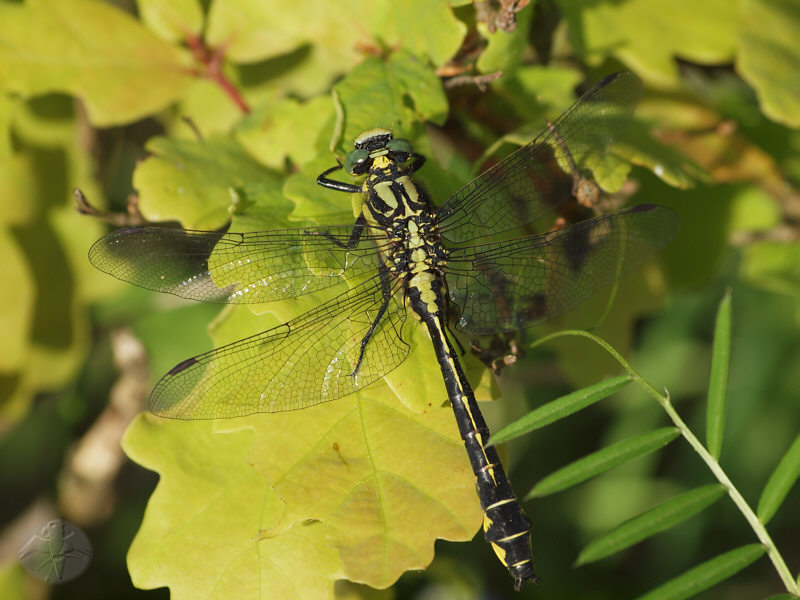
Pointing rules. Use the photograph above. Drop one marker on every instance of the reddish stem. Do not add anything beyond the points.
(212, 63)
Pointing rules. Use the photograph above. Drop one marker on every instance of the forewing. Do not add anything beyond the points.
(538, 178)
(306, 361)
(506, 286)
(261, 266)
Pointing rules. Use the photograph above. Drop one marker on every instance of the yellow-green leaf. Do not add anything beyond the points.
(173, 21)
(769, 58)
(647, 35)
(386, 482)
(192, 181)
(393, 93)
(16, 303)
(504, 50)
(91, 50)
(287, 128)
(252, 31)
(212, 528)
(380, 483)
(14, 583)
(773, 266)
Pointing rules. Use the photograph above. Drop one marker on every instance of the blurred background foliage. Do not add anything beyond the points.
(172, 110)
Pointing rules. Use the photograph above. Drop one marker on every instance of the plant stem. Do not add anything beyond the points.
(212, 63)
(714, 466)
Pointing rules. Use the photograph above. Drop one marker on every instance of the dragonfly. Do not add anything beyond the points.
(478, 257)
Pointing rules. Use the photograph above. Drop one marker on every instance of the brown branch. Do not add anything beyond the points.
(86, 481)
(130, 219)
(478, 81)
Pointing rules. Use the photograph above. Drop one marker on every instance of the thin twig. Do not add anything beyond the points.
(479, 81)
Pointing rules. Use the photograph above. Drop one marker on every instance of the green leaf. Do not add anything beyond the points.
(708, 574)
(668, 164)
(315, 203)
(753, 209)
(91, 50)
(252, 31)
(553, 89)
(609, 168)
(561, 408)
(780, 482)
(769, 58)
(378, 499)
(14, 583)
(47, 280)
(504, 50)
(773, 266)
(7, 105)
(16, 303)
(418, 382)
(436, 35)
(172, 21)
(287, 128)
(394, 93)
(205, 531)
(718, 381)
(603, 460)
(659, 518)
(647, 35)
(385, 481)
(192, 181)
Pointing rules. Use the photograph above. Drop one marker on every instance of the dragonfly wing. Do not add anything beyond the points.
(539, 177)
(306, 361)
(261, 266)
(505, 286)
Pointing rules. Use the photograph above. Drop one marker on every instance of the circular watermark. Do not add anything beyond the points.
(57, 552)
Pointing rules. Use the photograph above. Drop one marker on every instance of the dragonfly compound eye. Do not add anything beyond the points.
(356, 162)
(400, 149)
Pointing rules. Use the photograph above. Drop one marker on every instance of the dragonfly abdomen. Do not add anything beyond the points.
(505, 524)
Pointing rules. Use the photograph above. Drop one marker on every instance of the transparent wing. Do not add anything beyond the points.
(261, 266)
(306, 361)
(536, 179)
(505, 286)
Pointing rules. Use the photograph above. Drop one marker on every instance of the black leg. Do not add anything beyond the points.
(386, 291)
(339, 186)
(355, 235)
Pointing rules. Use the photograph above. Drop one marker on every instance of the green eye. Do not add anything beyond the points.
(354, 159)
(400, 145)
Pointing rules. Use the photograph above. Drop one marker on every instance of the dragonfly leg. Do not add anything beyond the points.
(386, 291)
(355, 235)
(339, 186)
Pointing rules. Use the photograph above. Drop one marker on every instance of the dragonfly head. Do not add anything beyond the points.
(372, 144)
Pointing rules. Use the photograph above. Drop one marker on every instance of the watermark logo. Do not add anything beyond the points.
(58, 552)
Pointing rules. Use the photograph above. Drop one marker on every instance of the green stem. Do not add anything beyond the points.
(714, 466)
